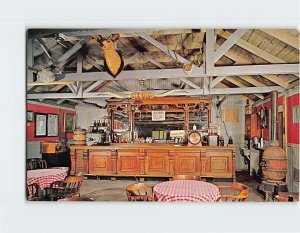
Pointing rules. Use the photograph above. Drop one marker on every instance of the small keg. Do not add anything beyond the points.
(79, 137)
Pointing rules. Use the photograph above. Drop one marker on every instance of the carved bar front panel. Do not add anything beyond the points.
(128, 162)
(154, 160)
(100, 162)
(218, 163)
(187, 163)
(157, 162)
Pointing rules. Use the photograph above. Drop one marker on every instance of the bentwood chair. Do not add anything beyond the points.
(36, 163)
(235, 192)
(66, 188)
(77, 199)
(33, 192)
(139, 192)
(186, 177)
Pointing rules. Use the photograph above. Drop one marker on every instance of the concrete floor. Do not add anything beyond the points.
(105, 189)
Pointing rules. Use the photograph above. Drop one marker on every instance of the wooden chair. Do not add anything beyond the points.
(33, 192)
(64, 189)
(186, 177)
(77, 199)
(139, 192)
(36, 163)
(235, 192)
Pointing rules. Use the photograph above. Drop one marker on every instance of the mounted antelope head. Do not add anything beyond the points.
(113, 59)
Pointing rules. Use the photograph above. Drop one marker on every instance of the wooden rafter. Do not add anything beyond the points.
(283, 36)
(240, 60)
(253, 49)
(239, 84)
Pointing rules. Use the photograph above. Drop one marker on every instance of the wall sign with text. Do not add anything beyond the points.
(158, 115)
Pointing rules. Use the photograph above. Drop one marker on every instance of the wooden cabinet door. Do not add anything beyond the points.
(81, 161)
(217, 164)
(157, 162)
(100, 162)
(187, 163)
(128, 162)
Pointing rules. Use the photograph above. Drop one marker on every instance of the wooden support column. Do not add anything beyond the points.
(114, 155)
(233, 166)
(85, 159)
(73, 161)
(186, 118)
(142, 155)
(203, 162)
(172, 162)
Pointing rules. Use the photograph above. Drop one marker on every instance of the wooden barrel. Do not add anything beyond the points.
(79, 137)
(274, 163)
(194, 138)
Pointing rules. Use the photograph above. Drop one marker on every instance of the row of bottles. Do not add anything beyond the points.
(98, 126)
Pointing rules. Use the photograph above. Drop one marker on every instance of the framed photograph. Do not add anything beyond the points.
(30, 116)
(69, 122)
(52, 122)
(40, 124)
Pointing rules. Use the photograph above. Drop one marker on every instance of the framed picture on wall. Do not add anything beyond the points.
(69, 122)
(52, 122)
(40, 124)
(30, 116)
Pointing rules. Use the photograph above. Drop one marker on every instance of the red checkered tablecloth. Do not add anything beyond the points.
(44, 177)
(186, 191)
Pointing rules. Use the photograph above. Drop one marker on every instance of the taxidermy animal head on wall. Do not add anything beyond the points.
(113, 59)
(44, 74)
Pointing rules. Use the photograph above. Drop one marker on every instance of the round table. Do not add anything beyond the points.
(44, 177)
(186, 191)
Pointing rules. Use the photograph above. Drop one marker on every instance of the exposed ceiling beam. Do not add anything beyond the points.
(91, 61)
(44, 47)
(64, 58)
(253, 49)
(176, 73)
(93, 86)
(79, 63)
(229, 43)
(239, 84)
(246, 90)
(155, 62)
(50, 83)
(210, 51)
(131, 58)
(240, 60)
(283, 36)
(256, 69)
(217, 80)
(193, 85)
(73, 88)
(74, 34)
(165, 49)
(180, 92)
(251, 80)
(132, 75)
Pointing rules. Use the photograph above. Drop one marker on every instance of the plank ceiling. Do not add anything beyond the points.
(254, 47)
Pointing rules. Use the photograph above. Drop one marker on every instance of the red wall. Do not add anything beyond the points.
(48, 110)
(292, 128)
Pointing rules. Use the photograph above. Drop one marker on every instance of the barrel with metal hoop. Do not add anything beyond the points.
(79, 137)
(274, 163)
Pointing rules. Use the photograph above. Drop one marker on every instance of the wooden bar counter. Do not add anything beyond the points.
(153, 160)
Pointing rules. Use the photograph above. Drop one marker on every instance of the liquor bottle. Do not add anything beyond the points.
(94, 127)
(103, 123)
(230, 141)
